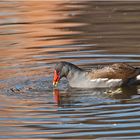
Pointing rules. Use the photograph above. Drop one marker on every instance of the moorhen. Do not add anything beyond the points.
(114, 75)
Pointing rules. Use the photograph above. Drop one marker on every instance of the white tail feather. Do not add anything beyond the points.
(138, 77)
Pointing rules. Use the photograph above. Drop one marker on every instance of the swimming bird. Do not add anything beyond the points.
(113, 75)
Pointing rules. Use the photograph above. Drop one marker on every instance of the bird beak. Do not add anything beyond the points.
(56, 78)
(55, 84)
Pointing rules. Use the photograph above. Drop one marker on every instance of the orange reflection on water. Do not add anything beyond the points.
(57, 97)
(28, 26)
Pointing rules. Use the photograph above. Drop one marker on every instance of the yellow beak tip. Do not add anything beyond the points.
(55, 84)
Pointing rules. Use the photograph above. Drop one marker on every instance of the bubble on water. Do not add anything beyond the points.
(115, 124)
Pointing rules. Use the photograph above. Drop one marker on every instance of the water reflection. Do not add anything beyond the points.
(70, 97)
(57, 98)
(81, 32)
(34, 35)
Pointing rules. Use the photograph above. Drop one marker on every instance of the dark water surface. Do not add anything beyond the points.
(34, 35)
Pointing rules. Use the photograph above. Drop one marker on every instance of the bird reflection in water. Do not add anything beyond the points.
(72, 97)
(56, 95)
(63, 98)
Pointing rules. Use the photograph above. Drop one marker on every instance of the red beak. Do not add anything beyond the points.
(56, 78)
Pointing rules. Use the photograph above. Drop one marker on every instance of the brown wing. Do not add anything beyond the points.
(115, 71)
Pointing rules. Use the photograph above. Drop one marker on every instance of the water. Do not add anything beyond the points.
(34, 35)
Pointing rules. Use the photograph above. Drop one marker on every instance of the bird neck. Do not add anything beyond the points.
(74, 72)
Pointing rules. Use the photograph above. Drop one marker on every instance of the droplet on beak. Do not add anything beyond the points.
(55, 84)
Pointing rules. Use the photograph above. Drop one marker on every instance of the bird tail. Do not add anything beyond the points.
(138, 76)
